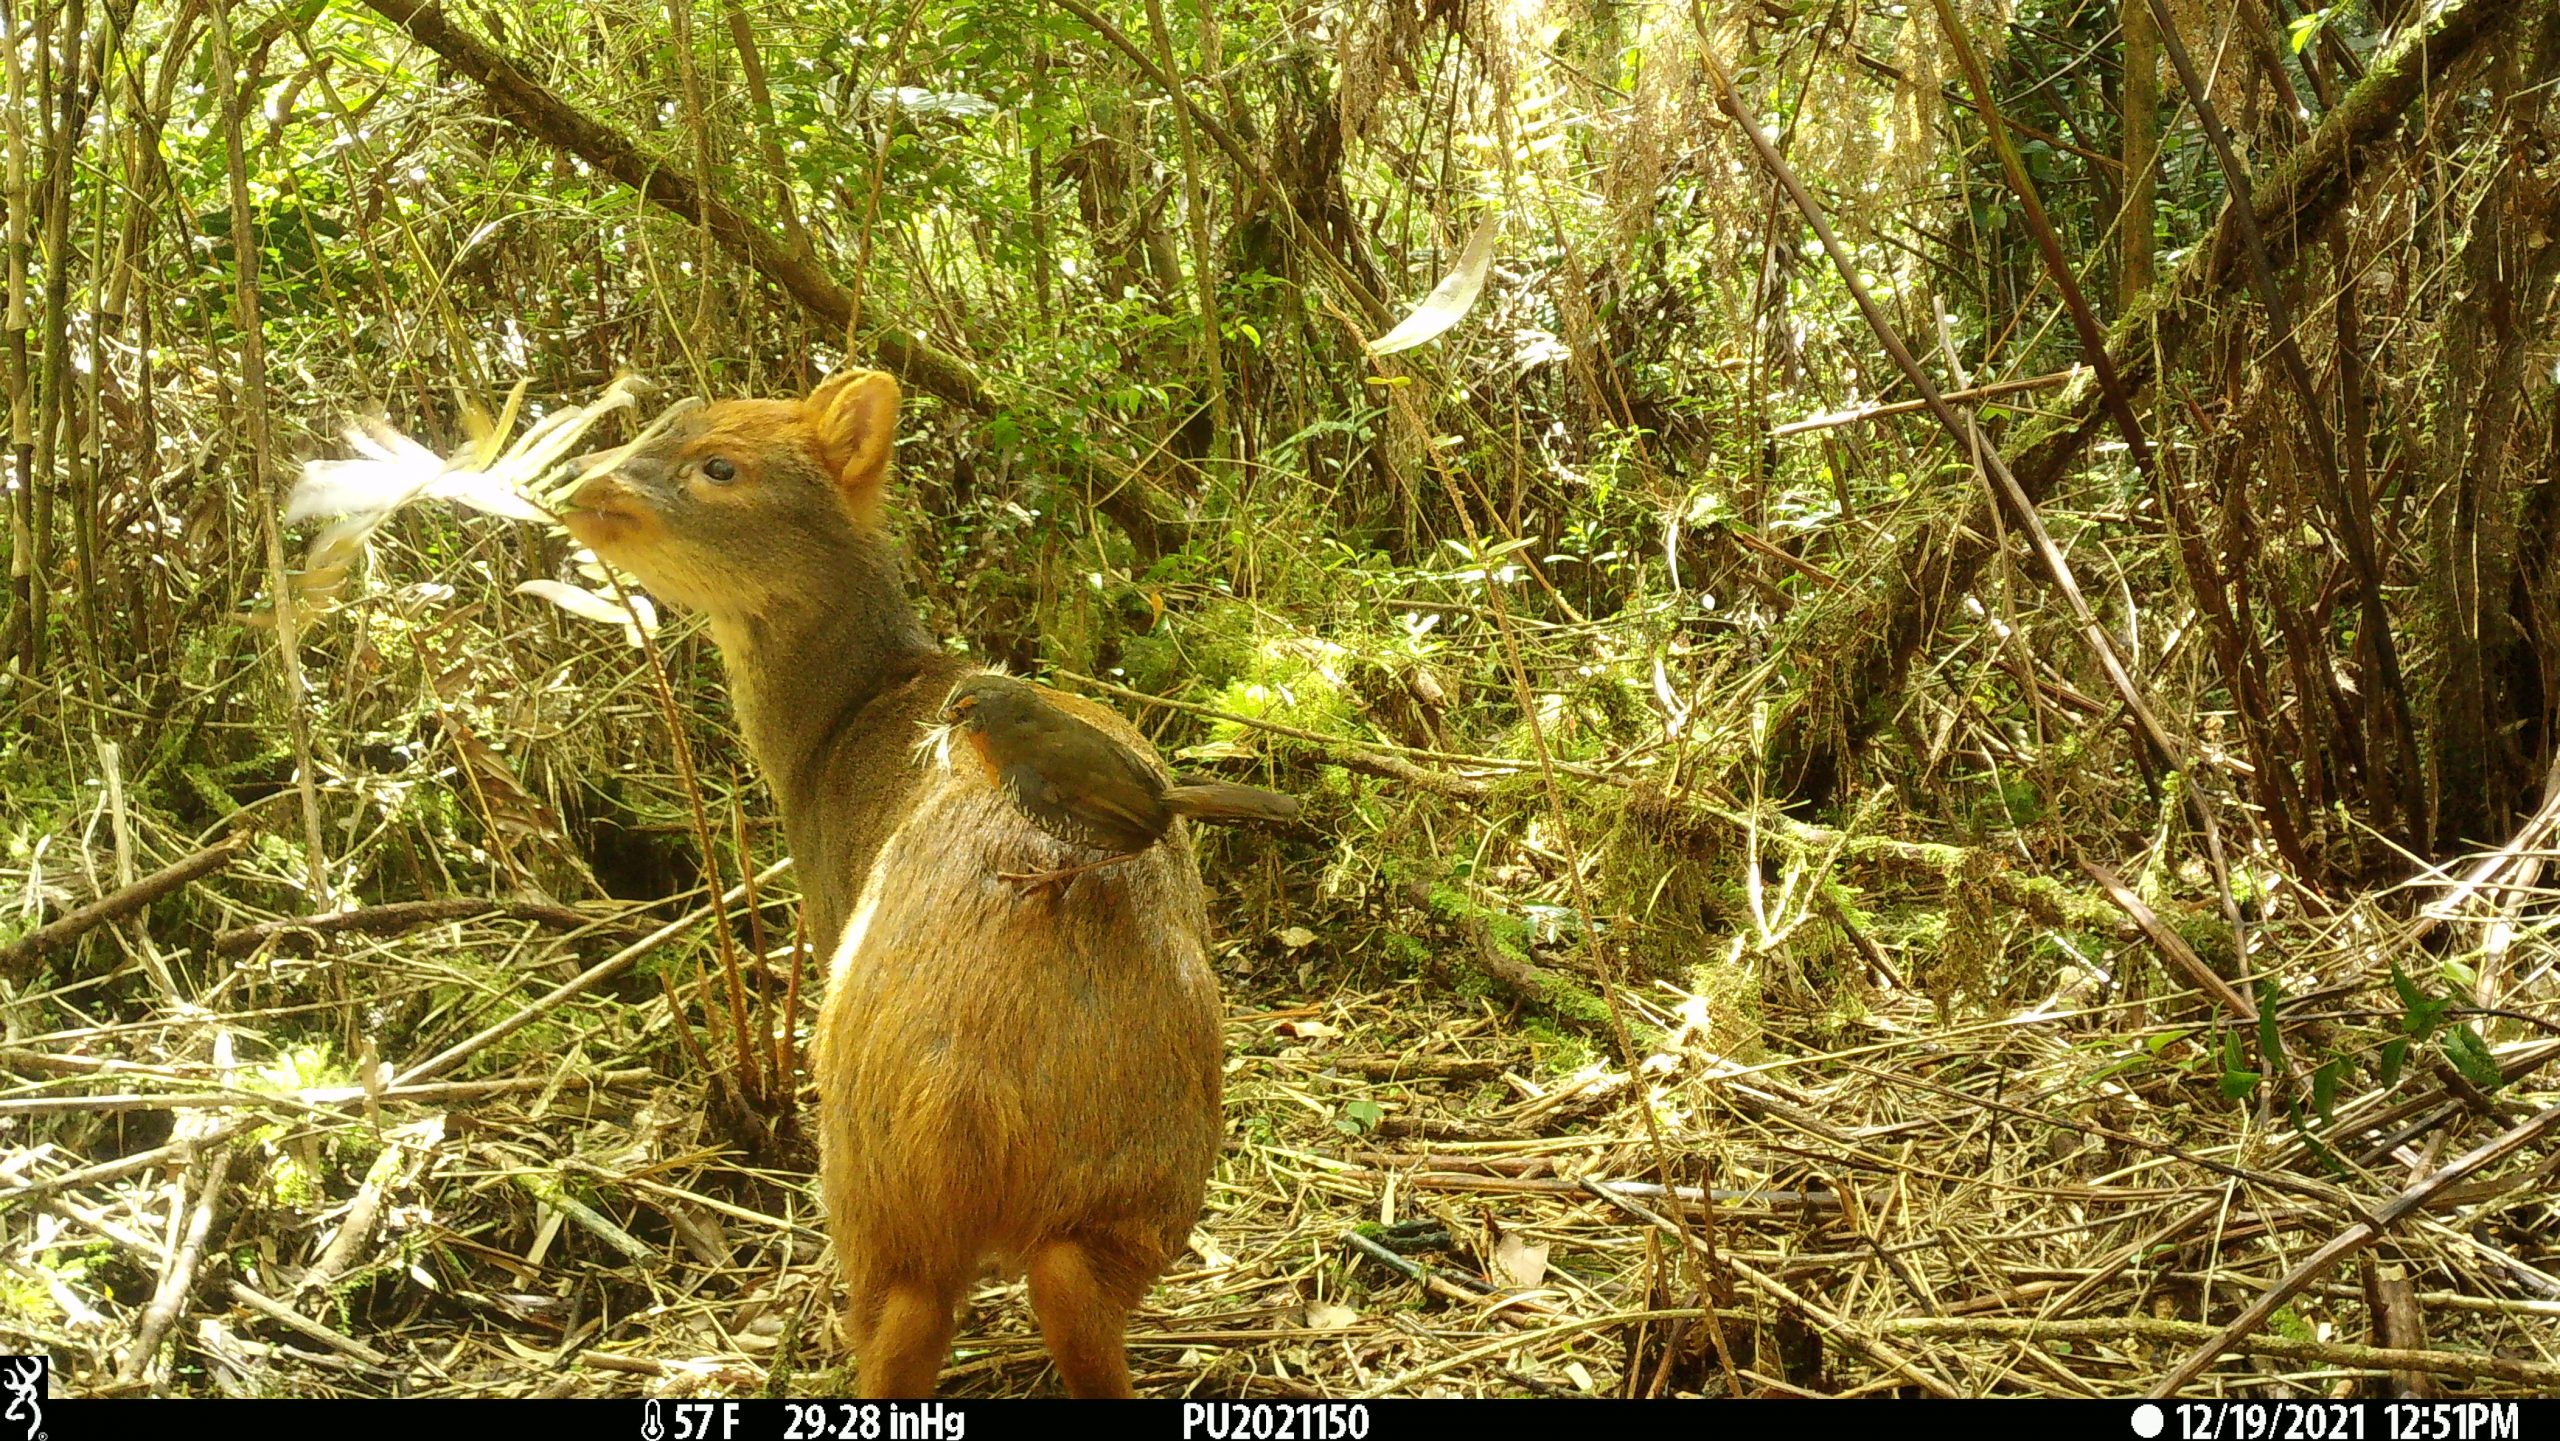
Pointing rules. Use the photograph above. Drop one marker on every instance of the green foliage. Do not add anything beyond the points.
(1289, 680)
(1689, 582)
(2238, 1080)
(2423, 1017)
(1208, 646)
(27, 1299)
(1560, 1052)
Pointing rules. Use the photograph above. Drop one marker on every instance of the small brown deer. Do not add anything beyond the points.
(1024, 1079)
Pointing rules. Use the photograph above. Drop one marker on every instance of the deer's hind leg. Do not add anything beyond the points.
(1083, 1288)
(903, 1341)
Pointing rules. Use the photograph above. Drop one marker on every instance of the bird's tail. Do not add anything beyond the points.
(1227, 804)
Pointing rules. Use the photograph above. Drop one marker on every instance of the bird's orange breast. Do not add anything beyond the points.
(985, 750)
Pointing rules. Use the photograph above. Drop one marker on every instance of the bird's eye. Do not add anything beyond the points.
(719, 470)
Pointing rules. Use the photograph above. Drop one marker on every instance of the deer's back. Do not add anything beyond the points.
(998, 1066)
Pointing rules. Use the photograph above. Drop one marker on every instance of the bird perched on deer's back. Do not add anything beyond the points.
(1078, 784)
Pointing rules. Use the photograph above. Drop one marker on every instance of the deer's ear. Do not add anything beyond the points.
(856, 414)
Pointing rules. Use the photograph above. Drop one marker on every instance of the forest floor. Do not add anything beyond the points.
(2039, 1204)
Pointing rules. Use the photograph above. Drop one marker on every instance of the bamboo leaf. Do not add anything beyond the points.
(584, 604)
(639, 620)
(1450, 300)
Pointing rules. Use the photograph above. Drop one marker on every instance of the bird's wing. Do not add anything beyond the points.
(1035, 797)
(1127, 802)
(1112, 791)
(1077, 822)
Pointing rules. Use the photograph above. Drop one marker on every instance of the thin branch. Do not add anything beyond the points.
(525, 102)
(21, 955)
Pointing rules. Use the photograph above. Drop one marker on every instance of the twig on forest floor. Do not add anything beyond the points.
(20, 955)
(402, 916)
(1908, 407)
(586, 980)
(2348, 1242)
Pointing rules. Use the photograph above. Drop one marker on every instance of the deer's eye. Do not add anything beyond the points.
(718, 470)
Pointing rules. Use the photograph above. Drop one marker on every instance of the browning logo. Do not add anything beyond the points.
(25, 1381)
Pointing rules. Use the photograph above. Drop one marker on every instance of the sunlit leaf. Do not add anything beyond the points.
(2470, 1055)
(955, 103)
(1329, 1316)
(584, 604)
(1450, 300)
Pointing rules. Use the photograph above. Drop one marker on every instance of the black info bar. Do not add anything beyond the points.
(71, 1419)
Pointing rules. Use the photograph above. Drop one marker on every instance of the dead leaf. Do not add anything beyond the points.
(507, 805)
(1450, 300)
(1306, 1030)
(1330, 1316)
(1218, 751)
(1297, 938)
(1517, 1262)
(1211, 1254)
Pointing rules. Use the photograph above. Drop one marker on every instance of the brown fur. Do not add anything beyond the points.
(1024, 1079)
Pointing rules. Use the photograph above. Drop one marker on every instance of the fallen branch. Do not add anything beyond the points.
(2170, 944)
(1403, 1382)
(396, 1166)
(1133, 501)
(1850, 1333)
(182, 1151)
(292, 1320)
(1465, 1290)
(546, 1187)
(397, 917)
(179, 1280)
(313, 1099)
(1411, 1068)
(582, 982)
(1816, 739)
(1905, 407)
(19, 957)
(530, 105)
(1560, 1186)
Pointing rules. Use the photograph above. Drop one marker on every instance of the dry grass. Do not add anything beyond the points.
(1968, 1127)
(2055, 1202)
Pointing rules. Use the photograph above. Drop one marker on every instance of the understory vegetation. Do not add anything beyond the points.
(1902, 666)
